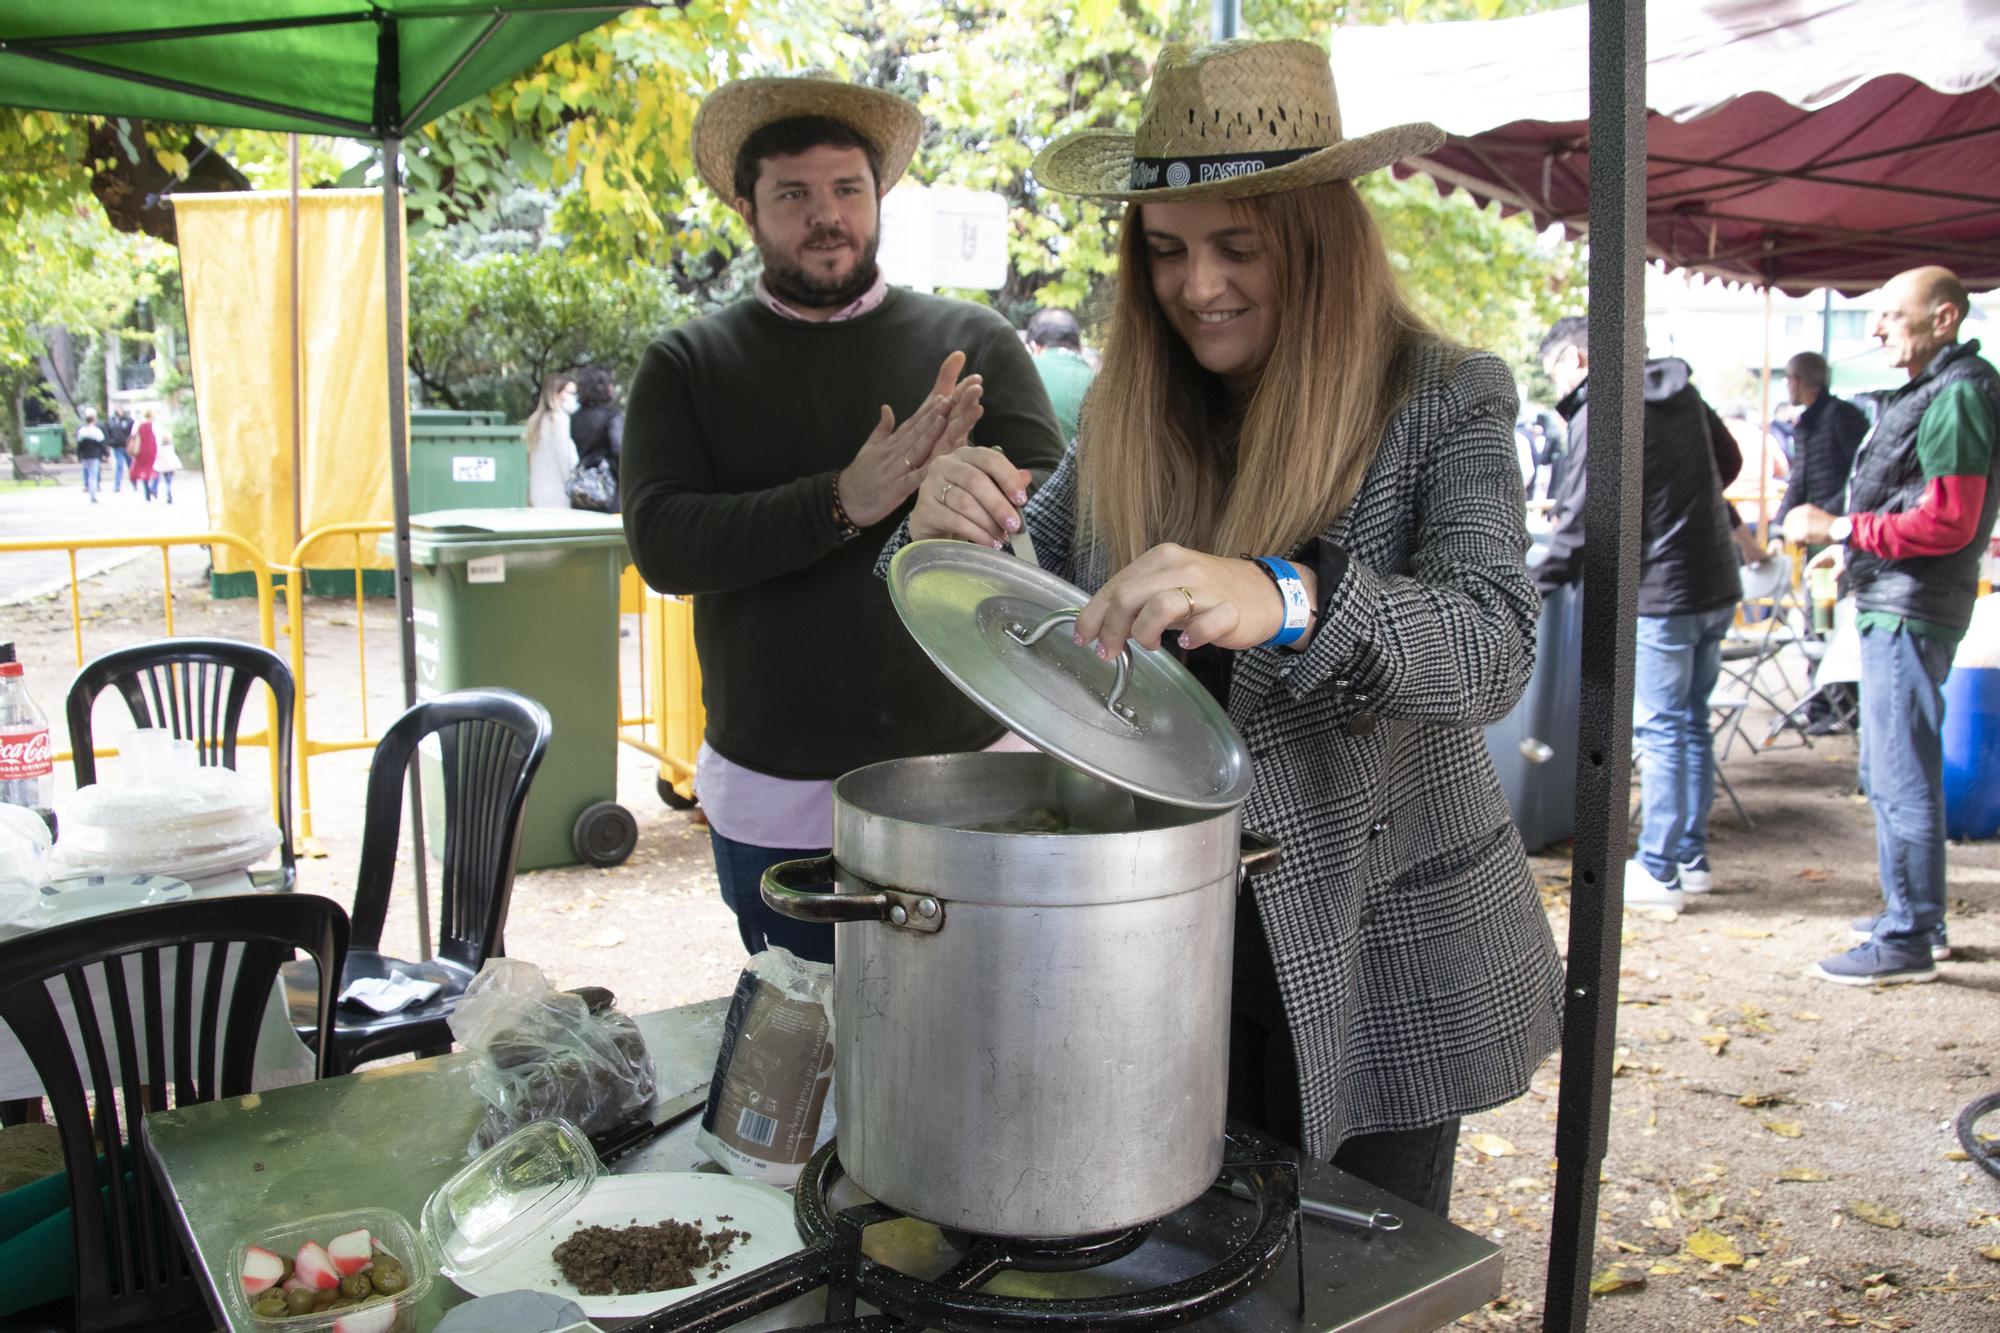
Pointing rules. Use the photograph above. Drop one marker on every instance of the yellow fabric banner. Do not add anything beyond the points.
(236, 275)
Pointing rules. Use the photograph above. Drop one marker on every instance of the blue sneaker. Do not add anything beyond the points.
(1876, 964)
(1862, 929)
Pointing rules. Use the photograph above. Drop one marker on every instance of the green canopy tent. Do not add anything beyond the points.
(365, 69)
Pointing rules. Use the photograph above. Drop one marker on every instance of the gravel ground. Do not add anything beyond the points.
(1780, 1151)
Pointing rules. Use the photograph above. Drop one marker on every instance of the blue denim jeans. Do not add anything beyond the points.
(1678, 659)
(739, 868)
(1902, 768)
(91, 467)
(120, 461)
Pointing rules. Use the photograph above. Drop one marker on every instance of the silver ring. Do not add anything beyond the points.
(944, 491)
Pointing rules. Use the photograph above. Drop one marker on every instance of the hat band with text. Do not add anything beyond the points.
(1152, 173)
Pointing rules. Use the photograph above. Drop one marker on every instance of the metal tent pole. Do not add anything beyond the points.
(1610, 609)
(399, 483)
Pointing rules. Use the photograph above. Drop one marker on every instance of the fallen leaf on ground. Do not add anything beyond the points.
(1744, 933)
(1716, 1042)
(1806, 1016)
(1615, 1278)
(1755, 1099)
(1802, 1175)
(1957, 1155)
(1712, 1247)
(1696, 1204)
(1875, 1214)
(1784, 1129)
(1665, 1270)
(1490, 1145)
(608, 938)
(1991, 1252)
(1815, 876)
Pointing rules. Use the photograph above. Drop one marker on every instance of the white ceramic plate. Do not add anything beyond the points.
(614, 1201)
(74, 899)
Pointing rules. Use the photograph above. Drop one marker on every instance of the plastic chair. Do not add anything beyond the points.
(170, 1032)
(490, 743)
(196, 688)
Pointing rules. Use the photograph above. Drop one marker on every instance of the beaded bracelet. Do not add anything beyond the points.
(844, 525)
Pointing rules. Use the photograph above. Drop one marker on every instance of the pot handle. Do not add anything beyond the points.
(909, 911)
(1261, 853)
(1028, 638)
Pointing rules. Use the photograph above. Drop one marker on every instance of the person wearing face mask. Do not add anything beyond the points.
(1288, 477)
(551, 451)
(766, 440)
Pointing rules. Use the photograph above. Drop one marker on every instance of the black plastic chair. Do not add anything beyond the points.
(490, 743)
(199, 1044)
(196, 688)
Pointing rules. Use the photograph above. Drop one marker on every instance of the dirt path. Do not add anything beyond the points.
(1735, 1071)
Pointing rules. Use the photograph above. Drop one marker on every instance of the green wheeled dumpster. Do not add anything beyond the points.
(43, 441)
(467, 467)
(527, 599)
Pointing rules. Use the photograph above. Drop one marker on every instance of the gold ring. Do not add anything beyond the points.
(944, 491)
(1189, 594)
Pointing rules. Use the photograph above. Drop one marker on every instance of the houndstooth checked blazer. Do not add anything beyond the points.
(1417, 968)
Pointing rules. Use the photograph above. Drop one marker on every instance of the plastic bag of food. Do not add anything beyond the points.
(547, 1053)
(774, 1070)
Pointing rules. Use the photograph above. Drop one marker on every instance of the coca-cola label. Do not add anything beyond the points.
(25, 754)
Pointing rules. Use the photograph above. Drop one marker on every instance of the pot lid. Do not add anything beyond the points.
(977, 613)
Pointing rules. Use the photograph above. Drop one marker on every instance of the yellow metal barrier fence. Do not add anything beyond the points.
(266, 617)
(669, 693)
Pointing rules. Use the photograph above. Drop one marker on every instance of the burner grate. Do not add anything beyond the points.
(833, 1259)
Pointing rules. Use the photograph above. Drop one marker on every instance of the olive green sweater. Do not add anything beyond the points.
(736, 426)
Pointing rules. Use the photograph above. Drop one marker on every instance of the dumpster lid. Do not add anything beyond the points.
(444, 525)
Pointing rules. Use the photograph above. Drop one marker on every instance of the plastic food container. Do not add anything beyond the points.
(392, 1235)
(508, 1193)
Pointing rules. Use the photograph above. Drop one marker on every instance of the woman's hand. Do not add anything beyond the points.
(1209, 598)
(973, 494)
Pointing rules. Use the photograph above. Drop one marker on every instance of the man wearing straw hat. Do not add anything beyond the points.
(772, 447)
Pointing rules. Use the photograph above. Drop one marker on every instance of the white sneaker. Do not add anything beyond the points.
(1642, 890)
(1696, 877)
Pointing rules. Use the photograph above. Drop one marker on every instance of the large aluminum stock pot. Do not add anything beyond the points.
(1032, 1016)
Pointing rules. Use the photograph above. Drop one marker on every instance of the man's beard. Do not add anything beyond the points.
(793, 285)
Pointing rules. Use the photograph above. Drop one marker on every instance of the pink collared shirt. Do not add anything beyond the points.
(859, 306)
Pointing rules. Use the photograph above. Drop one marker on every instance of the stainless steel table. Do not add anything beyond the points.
(387, 1137)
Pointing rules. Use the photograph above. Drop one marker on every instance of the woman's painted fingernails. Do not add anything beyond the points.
(1020, 497)
(1013, 525)
(1076, 639)
(1187, 641)
(999, 546)
(1103, 652)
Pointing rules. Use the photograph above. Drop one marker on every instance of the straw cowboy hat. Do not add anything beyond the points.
(1228, 121)
(735, 111)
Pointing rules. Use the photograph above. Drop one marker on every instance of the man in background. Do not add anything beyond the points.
(1919, 510)
(1056, 340)
(90, 450)
(1689, 585)
(1829, 430)
(118, 440)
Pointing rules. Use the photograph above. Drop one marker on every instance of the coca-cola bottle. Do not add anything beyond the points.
(27, 764)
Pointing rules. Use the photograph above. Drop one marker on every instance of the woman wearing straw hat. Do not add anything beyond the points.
(1266, 389)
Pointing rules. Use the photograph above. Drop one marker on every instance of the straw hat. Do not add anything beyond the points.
(1228, 121)
(735, 111)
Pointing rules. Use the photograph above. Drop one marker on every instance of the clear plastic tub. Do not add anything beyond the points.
(505, 1195)
(392, 1235)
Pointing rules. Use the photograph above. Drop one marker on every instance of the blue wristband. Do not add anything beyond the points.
(1298, 609)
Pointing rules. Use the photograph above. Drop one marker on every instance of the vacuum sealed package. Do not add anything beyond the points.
(774, 1070)
(548, 1054)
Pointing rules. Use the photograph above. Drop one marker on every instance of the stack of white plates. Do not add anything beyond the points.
(187, 825)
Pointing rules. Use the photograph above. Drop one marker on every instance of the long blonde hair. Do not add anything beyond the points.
(1167, 457)
(548, 415)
